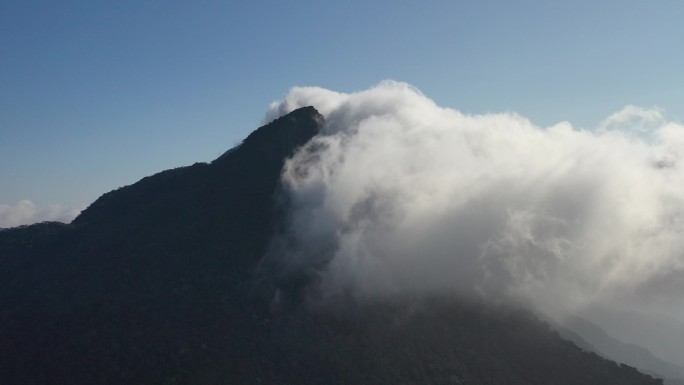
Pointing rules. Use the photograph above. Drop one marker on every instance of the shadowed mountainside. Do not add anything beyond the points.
(154, 284)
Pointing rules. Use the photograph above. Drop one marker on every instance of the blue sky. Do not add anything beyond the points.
(95, 95)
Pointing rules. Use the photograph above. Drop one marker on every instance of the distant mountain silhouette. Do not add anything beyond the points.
(591, 337)
(664, 336)
(154, 284)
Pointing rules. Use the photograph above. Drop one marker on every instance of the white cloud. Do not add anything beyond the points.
(26, 212)
(634, 120)
(398, 195)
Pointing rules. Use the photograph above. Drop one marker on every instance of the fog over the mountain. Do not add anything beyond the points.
(399, 196)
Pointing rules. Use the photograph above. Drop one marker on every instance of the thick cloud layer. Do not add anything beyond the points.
(401, 196)
(26, 212)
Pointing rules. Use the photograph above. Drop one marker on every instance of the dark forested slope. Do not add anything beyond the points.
(153, 284)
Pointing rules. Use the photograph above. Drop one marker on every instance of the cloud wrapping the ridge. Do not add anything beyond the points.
(398, 195)
(26, 212)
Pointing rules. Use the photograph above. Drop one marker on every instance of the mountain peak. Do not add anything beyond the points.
(290, 131)
(265, 150)
(154, 283)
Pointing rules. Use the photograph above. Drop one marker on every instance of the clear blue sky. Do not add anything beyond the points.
(98, 94)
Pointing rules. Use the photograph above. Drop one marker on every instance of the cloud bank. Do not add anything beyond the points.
(26, 212)
(398, 195)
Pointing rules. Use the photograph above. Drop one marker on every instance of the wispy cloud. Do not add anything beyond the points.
(635, 120)
(26, 212)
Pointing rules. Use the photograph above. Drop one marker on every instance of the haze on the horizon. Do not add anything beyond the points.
(96, 95)
(399, 196)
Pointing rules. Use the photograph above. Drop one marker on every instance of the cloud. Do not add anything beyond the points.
(633, 119)
(26, 212)
(399, 196)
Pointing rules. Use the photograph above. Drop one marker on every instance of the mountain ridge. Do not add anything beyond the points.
(154, 284)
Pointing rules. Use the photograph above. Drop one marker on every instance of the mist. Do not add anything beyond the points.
(399, 196)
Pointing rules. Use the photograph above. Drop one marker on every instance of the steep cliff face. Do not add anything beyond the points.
(153, 284)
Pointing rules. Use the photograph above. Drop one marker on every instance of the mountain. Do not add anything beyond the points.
(591, 337)
(662, 335)
(155, 283)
